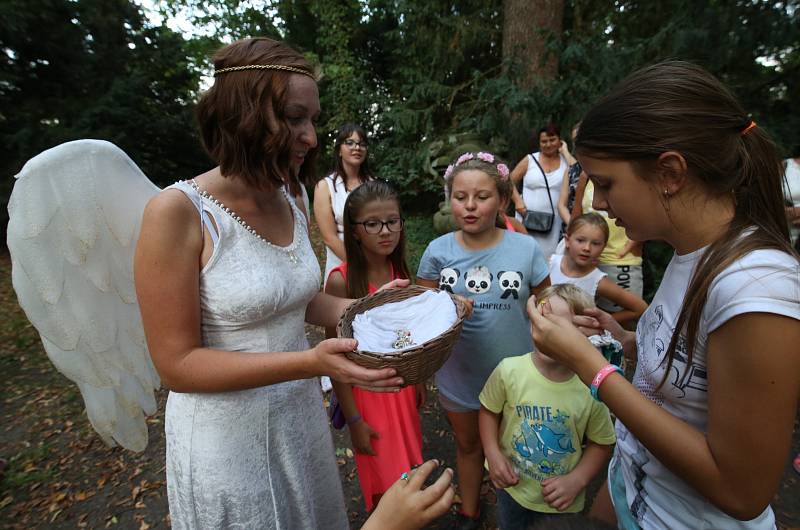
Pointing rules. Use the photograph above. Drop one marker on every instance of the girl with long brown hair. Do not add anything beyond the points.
(705, 429)
(384, 427)
(350, 170)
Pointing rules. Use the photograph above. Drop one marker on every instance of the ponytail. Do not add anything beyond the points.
(679, 106)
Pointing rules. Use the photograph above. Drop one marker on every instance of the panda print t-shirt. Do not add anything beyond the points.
(499, 279)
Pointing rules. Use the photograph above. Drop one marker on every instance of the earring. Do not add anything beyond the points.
(666, 200)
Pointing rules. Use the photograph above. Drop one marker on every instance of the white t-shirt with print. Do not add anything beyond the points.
(765, 281)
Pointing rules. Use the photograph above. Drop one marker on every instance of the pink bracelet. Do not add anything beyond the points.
(601, 376)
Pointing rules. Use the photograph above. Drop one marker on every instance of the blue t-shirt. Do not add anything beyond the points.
(499, 280)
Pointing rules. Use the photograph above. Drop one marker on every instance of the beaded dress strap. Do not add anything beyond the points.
(289, 250)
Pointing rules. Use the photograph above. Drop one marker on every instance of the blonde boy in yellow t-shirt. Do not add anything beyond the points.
(534, 415)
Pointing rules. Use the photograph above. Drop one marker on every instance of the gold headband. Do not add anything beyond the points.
(264, 67)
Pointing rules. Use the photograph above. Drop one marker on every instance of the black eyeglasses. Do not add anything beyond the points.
(352, 144)
(375, 227)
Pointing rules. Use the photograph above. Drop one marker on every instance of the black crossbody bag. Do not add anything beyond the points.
(540, 221)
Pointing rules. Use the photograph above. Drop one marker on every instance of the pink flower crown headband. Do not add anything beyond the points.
(485, 157)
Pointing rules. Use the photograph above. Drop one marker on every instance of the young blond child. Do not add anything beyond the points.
(534, 416)
(586, 237)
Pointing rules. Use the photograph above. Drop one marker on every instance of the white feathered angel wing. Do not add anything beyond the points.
(74, 218)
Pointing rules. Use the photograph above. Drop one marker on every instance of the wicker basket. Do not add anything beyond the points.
(414, 365)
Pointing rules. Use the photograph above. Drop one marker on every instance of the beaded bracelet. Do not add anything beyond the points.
(354, 419)
(601, 376)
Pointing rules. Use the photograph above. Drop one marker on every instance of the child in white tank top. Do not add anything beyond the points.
(586, 238)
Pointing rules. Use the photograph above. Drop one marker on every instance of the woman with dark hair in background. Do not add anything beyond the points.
(350, 170)
(541, 174)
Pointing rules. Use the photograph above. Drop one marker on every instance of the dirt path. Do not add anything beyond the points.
(60, 475)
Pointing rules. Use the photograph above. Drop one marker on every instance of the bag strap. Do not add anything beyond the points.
(546, 184)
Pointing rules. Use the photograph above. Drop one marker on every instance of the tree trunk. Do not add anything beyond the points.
(528, 26)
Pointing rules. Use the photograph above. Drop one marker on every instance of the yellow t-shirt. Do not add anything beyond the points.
(542, 427)
(616, 235)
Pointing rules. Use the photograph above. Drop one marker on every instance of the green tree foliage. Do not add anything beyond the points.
(93, 69)
(425, 77)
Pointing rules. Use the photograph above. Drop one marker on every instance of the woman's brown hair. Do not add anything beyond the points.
(678, 106)
(241, 117)
(356, 280)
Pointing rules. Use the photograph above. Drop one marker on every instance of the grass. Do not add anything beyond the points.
(23, 471)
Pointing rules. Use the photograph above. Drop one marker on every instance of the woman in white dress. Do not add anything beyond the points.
(540, 193)
(225, 278)
(350, 170)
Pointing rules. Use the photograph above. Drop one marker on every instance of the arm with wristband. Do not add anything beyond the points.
(707, 461)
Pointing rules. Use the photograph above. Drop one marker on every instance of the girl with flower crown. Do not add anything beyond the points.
(499, 270)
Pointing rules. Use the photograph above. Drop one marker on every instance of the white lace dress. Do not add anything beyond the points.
(260, 458)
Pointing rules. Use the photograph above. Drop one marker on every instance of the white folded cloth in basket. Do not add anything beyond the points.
(397, 326)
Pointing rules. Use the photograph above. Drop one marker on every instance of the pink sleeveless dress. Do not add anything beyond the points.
(396, 418)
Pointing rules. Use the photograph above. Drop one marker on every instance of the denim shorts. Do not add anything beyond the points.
(616, 489)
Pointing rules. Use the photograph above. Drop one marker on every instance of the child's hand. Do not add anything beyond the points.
(594, 321)
(394, 284)
(559, 492)
(468, 302)
(361, 434)
(422, 395)
(501, 471)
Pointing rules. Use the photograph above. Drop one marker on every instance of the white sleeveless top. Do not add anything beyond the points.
(262, 457)
(588, 283)
(338, 192)
(534, 195)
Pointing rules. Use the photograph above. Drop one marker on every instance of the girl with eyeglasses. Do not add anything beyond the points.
(350, 170)
(384, 428)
